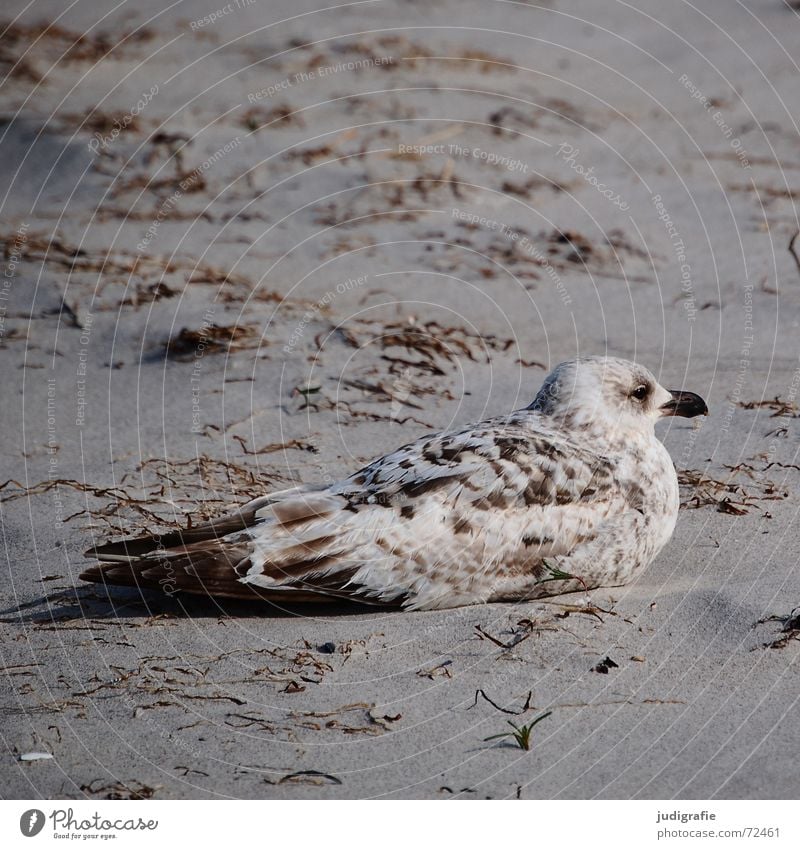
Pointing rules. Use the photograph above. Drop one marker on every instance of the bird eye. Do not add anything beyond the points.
(640, 393)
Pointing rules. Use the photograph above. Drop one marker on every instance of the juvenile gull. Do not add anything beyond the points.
(573, 492)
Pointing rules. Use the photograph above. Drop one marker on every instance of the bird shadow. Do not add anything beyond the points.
(67, 605)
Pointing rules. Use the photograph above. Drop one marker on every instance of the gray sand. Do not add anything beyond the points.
(277, 200)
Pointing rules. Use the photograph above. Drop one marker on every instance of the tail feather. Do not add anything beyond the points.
(247, 515)
(298, 546)
(222, 584)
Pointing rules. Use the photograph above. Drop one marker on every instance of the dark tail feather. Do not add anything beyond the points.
(209, 568)
(183, 576)
(134, 547)
(205, 560)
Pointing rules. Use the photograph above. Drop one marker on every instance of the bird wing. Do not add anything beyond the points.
(474, 511)
(394, 531)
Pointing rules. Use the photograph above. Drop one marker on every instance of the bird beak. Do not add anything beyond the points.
(685, 404)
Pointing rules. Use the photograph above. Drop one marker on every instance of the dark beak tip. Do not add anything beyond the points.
(685, 404)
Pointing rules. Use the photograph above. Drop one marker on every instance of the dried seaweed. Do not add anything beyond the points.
(272, 447)
(500, 118)
(215, 339)
(357, 718)
(532, 184)
(579, 248)
(728, 496)
(148, 293)
(440, 670)
(789, 632)
(431, 340)
(51, 41)
(778, 406)
(384, 392)
(399, 197)
(119, 790)
(116, 270)
(159, 491)
(119, 497)
(100, 122)
(309, 155)
(281, 115)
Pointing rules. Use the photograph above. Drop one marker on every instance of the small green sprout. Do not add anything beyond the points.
(521, 733)
(556, 574)
(306, 390)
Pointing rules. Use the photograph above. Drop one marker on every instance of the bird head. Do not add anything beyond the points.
(611, 395)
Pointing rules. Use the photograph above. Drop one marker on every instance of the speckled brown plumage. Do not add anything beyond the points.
(574, 491)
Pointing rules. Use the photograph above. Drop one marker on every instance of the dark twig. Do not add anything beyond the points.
(525, 708)
(310, 776)
(792, 251)
(482, 634)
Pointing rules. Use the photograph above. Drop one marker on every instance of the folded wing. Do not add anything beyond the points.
(437, 522)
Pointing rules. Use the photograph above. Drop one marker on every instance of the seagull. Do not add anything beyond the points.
(571, 493)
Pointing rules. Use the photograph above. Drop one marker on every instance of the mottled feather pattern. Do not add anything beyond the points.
(483, 513)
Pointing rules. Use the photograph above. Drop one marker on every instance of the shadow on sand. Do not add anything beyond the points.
(92, 602)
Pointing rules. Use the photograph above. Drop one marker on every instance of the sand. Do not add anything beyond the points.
(280, 197)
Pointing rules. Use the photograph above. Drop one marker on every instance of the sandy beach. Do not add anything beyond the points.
(264, 243)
